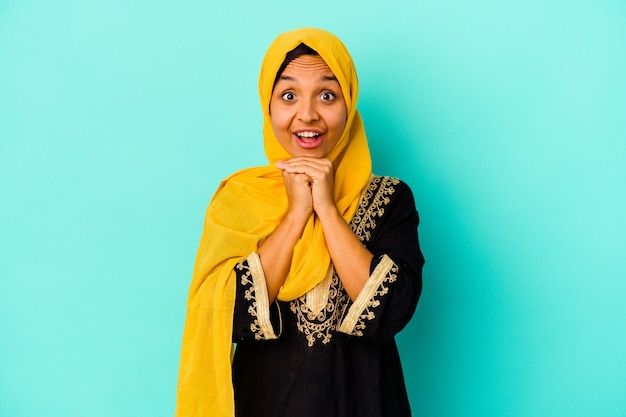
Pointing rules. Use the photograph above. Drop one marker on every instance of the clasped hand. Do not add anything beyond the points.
(309, 183)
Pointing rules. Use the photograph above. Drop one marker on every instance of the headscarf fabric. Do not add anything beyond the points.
(243, 212)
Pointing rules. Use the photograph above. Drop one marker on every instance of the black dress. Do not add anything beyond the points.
(323, 355)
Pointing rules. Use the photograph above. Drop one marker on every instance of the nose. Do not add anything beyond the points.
(307, 112)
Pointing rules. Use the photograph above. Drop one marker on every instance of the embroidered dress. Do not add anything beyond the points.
(322, 354)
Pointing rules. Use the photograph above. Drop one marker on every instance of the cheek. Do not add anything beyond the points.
(338, 120)
(279, 124)
(279, 118)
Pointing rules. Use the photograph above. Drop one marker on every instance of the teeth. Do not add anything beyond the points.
(307, 134)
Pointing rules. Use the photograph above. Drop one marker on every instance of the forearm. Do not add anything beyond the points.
(277, 250)
(350, 258)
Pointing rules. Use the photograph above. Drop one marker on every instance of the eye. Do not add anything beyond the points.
(327, 96)
(289, 96)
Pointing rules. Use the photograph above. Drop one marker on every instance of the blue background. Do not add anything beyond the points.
(507, 118)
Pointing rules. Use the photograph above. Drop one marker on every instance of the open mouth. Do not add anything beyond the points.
(308, 139)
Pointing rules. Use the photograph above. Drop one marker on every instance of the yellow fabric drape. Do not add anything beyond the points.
(245, 209)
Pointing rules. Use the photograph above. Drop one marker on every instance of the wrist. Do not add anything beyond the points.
(296, 219)
(328, 214)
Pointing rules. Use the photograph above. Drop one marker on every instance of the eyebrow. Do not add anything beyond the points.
(322, 78)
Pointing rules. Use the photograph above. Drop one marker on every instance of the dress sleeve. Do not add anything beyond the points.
(253, 319)
(389, 298)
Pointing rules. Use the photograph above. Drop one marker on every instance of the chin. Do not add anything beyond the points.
(310, 154)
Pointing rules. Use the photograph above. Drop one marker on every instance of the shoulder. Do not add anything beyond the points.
(394, 189)
(386, 198)
(387, 211)
(249, 183)
(249, 174)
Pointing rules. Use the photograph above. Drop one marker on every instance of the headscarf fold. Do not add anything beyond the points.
(244, 211)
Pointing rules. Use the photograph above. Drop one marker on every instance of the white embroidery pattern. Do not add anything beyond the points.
(372, 205)
(253, 277)
(377, 286)
(320, 325)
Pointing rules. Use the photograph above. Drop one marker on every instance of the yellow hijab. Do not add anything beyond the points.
(244, 211)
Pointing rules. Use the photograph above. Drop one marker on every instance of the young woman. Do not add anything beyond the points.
(310, 265)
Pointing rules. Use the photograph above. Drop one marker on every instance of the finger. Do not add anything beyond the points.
(313, 169)
(298, 177)
(314, 162)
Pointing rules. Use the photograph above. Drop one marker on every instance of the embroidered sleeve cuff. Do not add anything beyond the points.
(259, 308)
(363, 308)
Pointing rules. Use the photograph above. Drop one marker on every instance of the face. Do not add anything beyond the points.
(307, 108)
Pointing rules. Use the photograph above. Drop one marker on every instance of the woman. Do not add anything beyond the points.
(310, 265)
